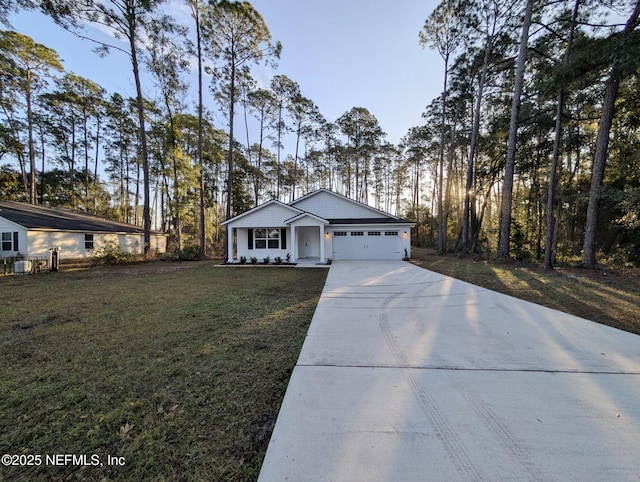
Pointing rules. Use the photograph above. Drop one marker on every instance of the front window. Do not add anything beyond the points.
(267, 238)
(88, 242)
(7, 244)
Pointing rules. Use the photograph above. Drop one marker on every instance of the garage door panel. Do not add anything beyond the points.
(367, 244)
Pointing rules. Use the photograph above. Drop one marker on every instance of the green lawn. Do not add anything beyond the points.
(179, 368)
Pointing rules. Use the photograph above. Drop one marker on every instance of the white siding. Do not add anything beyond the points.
(134, 243)
(308, 221)
(158, 242)
(72, 245)
(7, 226)
(325, 205)
(331, 206)
(131, 243)
(270, 216)
(242, 248)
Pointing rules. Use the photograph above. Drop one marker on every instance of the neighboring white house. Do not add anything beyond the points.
(321, 225)
(32, 230)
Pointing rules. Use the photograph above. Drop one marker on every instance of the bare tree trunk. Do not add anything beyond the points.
(72, 171)
(292, 195)
(507, 190)
(195, 12)
(450, 177)
(232, 101)
(124, 176)
(32, 151)
(146, 212)
(85, 128)
(280, 107)
(136, 203)
(442, 223)
(602, 143)
(549, 255)
(257, 183)
(43, 158)
(21, 160)
(465, 237)
(176, 180)
(95, 169)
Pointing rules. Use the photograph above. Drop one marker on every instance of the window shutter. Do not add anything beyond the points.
(283, 238)
(250, 246)
(15, 241)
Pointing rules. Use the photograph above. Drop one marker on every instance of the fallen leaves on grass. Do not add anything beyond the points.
(125, 431)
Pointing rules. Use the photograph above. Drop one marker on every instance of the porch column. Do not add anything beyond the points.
(294, 244)
(230, 244)
(322, 229)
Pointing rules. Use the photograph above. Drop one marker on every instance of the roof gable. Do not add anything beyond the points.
(306, 215)
(271, 214)
(34, 216)
(330, 205)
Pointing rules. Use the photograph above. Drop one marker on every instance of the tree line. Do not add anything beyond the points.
(538, 99)
(530, 151)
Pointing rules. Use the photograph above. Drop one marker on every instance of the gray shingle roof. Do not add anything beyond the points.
(44, 217)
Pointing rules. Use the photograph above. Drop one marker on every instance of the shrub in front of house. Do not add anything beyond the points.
(266, 260)
(110, 254)
(191, 252)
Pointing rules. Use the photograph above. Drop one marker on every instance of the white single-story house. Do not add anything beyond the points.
(32, 230)
(321, 225)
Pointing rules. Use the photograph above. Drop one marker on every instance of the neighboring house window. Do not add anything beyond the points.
(391, 233)
(10, 241)
(88, 242)
(267, 238)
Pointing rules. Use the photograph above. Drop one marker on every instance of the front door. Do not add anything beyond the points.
(308, 242)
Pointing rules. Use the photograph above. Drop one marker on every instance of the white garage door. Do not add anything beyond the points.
(367, 244)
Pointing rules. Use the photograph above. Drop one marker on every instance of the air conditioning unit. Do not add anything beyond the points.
(22, 267)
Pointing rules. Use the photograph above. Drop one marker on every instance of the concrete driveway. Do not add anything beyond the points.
(408, 375)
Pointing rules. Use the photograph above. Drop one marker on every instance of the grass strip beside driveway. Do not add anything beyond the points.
(177, 369)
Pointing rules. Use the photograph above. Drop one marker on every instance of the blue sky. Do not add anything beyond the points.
(342, 53)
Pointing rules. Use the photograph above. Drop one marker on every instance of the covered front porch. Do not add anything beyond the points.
(301, 241)
(308, 237)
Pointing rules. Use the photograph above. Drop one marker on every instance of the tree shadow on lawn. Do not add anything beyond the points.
(580, 294)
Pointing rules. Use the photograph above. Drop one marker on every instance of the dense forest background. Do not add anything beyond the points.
(531, 151)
